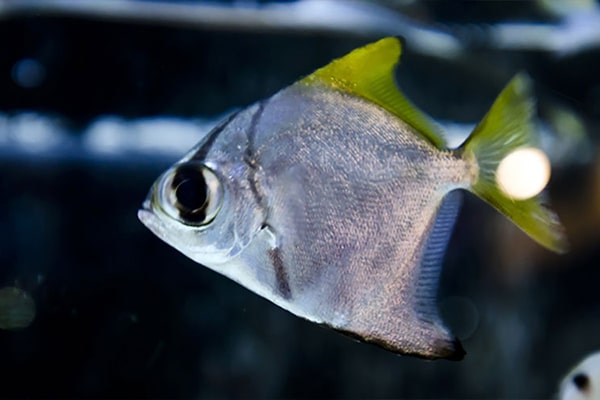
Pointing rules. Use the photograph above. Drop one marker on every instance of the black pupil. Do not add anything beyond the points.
(581, 381)
(190, 192)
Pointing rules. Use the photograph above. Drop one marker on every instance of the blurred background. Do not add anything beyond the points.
(97, 98)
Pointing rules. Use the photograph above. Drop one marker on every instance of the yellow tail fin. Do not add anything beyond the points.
(508, 126)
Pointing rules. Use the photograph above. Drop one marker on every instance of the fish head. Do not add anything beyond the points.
(583, 381)
(203, 205)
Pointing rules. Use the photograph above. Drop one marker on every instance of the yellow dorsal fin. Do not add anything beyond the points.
(368, 72)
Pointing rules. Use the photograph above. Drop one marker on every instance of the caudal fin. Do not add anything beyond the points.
(508, 126)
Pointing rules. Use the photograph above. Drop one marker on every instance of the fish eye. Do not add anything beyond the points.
(191, 193)
(581, 381)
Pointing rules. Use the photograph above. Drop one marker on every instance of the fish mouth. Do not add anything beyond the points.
(148, 217)
(145, 214)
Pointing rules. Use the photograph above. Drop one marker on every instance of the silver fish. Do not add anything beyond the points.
(335, 199)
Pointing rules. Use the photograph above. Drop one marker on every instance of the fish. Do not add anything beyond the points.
(583, 381)
(335, 199)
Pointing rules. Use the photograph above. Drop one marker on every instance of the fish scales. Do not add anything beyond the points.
(372, 173)
(335, 199)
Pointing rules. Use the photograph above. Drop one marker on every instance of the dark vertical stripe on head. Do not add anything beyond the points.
(249, 154)
(212, 136)
(281, 276)
(252, 132)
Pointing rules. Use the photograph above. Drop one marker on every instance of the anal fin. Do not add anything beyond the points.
(444, 345)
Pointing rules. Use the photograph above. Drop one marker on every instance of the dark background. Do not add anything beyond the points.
(121, 314)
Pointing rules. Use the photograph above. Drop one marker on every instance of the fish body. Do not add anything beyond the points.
(335, 199)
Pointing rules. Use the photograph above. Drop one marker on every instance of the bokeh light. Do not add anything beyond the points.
(523, 173)
(28, 73)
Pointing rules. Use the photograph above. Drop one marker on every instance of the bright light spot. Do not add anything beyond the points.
(34, 132)
(523, 173)
(106, 135)
(171, 136)
(28, 73)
